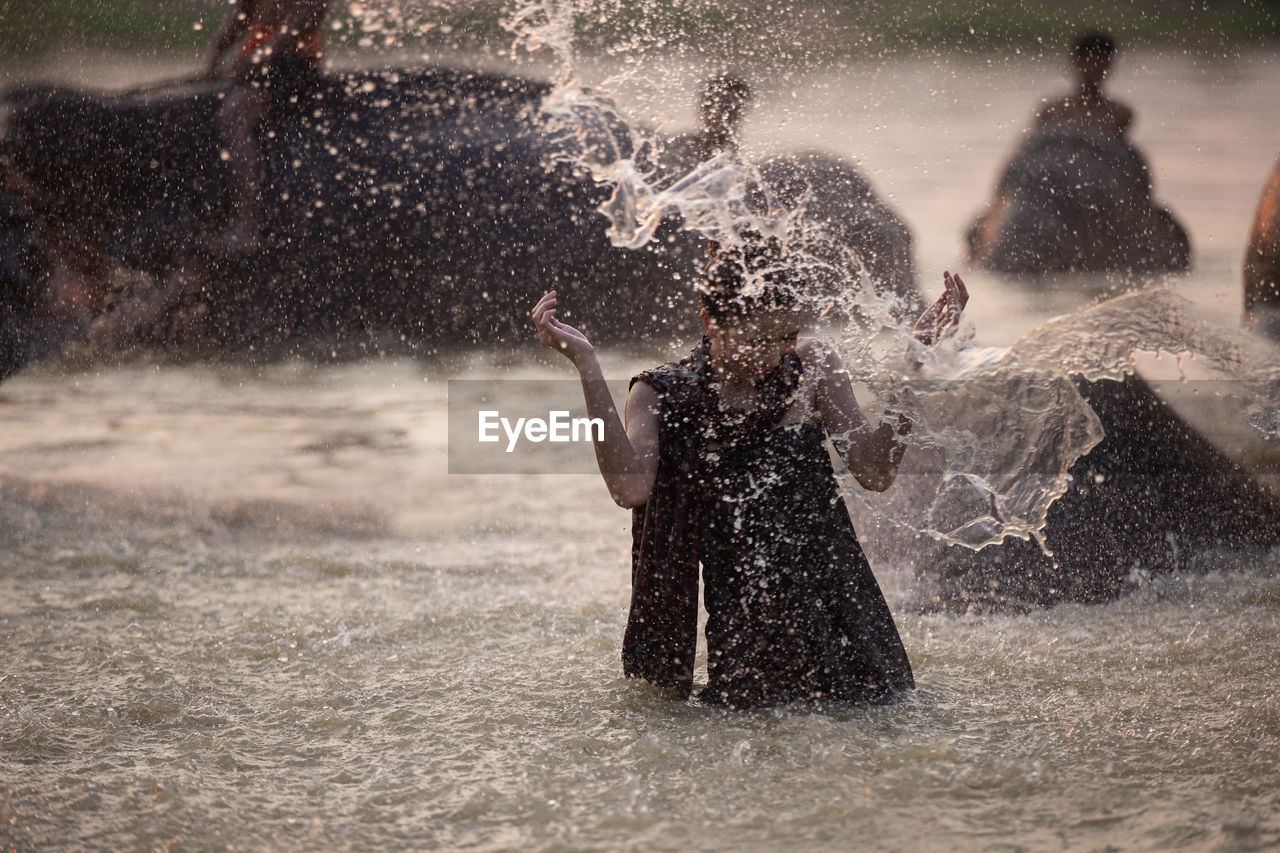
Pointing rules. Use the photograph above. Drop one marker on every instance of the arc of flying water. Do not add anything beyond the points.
(715, 198)
(548, 24)
(719, 198)
(991, 485)
(587, 130)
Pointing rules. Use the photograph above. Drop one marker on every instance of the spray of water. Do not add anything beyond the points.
(996, 430)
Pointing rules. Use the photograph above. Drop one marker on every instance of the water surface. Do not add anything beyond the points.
(247, 607)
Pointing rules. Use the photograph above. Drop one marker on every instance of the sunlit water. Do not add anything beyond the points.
(248, 607)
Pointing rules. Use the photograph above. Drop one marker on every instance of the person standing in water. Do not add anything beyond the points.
(1091, 57)
(723, 461)
(278, 63)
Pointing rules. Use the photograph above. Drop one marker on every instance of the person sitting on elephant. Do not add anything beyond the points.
(278, 63)
(1091, 56)
(1077, 195)
(721, 109)
(1262, 261)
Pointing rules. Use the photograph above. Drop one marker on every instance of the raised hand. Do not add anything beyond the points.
(562, 338)
(942, 317)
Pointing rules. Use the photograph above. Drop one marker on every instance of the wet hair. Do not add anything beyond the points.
(1093, 45)
(725, 87)
(741, 280)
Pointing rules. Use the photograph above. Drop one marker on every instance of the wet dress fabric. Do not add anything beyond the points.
(793, 610)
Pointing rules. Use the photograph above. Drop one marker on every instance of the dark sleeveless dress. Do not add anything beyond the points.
(793, 610)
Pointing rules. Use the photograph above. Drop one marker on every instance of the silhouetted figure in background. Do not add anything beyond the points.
(721, 110)
(1262, 261)
(1091, 56)
(278, 64)
(1077, 196)
(828, 193)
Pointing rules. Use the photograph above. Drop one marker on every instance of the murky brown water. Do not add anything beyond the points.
(248, 608)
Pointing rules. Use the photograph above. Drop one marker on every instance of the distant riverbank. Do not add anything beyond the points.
(807, 27)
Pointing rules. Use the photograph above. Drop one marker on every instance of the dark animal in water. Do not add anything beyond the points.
(1150, 495)
(425, 206)
(1077, 199)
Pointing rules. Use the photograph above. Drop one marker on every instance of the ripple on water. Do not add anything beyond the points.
(320, 691)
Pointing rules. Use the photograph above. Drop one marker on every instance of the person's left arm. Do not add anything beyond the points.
(871, 453)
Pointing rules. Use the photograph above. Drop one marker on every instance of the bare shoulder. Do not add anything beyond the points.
(643, 397)
(642, 419)
(811, 348)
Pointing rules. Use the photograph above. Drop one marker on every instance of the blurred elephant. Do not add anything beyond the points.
(421, 208)
(1077, 199)
(1148, 497)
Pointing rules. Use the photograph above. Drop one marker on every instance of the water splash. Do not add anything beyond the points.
(722, 198)
(548, 25)
(711, 199)
(998, 430)
(1008, 424)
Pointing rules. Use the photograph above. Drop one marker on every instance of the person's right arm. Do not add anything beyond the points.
(627, 456)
